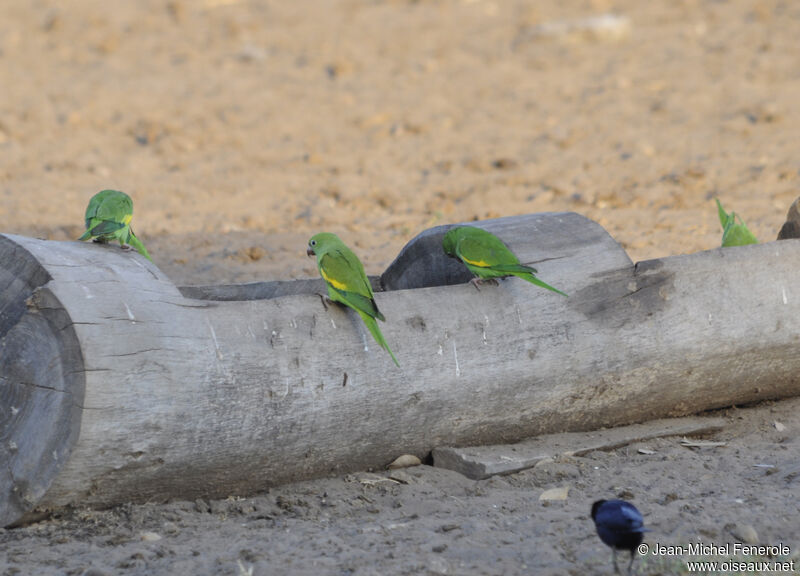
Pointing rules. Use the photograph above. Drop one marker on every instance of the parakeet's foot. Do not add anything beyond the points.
(127, 247)
(476, 281)
(325, 300)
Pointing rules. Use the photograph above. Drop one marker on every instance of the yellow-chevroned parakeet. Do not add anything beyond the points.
(487, 257)
(733, 233)
(108, 217)
(347, 283)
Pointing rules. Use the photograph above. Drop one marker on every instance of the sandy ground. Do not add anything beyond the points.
(241, 127)
(426, 520)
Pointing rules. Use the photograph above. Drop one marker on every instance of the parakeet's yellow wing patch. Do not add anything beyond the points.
(332, 281)
(481, 263)
(127, 218)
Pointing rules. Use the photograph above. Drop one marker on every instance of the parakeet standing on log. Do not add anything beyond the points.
(108, 217)
(485, 255)
(733, 233)
(347, 282)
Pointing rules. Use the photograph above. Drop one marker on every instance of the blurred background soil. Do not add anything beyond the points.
(241, 127)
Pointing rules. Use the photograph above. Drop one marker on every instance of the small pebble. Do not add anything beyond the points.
(745, 533)
(405, 461)
(554, 494)
(171, 528)
(149, 536)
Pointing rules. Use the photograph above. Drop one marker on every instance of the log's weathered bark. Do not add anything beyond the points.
(115, 386)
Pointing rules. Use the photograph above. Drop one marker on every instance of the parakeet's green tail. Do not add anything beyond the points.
(534, 280)
(136, 243)
(372, 326)
(86, 236)
(723, 216)
(734, 234)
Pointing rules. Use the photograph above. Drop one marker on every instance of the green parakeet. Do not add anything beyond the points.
(108, 217)
(485, 255)
(347, 283)
(733, 233)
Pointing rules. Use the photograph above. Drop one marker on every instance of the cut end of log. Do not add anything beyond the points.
(41, 383)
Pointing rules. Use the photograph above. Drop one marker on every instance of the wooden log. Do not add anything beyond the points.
(563, 241)
(481, 462)
(115, 386)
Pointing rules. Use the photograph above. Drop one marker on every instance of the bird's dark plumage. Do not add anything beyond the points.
(620, 525)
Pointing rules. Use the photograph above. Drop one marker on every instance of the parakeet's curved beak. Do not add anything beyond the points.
(310, 252)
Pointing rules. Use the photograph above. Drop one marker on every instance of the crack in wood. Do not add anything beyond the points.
(71, 324)
(85, 370)
(134, 353)
(40, 386)
(142, 266)
(186, 304)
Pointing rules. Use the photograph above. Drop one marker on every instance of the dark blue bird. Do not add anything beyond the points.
(620, 525)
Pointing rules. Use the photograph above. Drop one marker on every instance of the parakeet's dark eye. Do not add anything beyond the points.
(313, 242)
